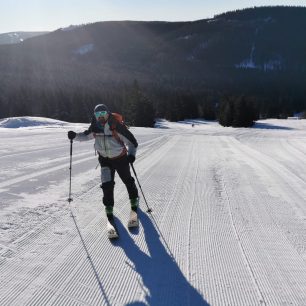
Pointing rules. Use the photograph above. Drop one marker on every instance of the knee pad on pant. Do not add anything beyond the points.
(106, 175)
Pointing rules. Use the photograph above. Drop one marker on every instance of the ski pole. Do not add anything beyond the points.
(70, 168)
(80, 235)
(149, 210)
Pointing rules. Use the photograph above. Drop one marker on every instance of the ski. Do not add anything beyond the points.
(133, 219)
(112, 231)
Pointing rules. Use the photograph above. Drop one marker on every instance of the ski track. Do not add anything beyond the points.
(87, 243)
(279, 268)
(222, 277)
(215, 236)
(284, 177)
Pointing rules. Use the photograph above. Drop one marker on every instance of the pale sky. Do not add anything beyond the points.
(49, 15)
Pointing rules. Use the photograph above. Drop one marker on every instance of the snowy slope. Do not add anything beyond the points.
(22, 122)
(17, 37)
(228, 225)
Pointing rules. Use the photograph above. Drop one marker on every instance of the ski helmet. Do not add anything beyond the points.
(101, 108)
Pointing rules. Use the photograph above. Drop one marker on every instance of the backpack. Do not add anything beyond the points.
(117, 118)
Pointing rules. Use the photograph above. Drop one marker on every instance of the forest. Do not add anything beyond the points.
(237, 67)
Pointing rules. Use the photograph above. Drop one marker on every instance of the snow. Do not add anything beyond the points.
(185, 37)
(21, 122)
(268, 19)
(228, 225)
(272, 65)
(71, 28)
(197, 50)
(269, 65)
(84, 49)
(249, 62)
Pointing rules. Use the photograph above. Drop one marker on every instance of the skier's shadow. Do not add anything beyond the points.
(163, 281)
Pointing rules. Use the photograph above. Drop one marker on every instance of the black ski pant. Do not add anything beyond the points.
(108, 168)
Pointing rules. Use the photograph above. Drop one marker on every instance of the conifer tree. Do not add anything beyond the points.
(237, 112)
(226, 112)
(138, 109)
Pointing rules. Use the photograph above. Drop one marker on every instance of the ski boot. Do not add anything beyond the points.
(112, 231)
(133, 220)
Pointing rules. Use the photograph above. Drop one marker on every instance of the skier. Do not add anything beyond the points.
(116, 147)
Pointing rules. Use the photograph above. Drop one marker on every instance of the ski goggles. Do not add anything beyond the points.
(101, 114)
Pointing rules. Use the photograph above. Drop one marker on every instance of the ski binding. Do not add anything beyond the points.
(112, 233)
(133, 220)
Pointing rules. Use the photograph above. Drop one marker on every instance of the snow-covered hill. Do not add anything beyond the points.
(228, 225)
(17, 37)
(24, 122)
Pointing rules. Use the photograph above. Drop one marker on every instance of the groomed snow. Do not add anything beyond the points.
(228, 225)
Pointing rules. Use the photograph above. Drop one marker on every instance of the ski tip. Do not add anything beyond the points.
(112, 236)
(133, 224)
(112, 232)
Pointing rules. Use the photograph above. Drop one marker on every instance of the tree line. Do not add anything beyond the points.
(141, 105)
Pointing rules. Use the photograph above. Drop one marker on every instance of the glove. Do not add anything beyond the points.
(71, 135)
(131, 158)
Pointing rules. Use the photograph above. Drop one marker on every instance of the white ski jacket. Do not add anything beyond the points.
(111, 141)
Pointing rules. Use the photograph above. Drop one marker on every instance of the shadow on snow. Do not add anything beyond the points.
(162, 278)
(194, 121)
(270, 126)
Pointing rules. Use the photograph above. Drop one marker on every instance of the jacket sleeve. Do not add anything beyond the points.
(86, 135)
(128, 138)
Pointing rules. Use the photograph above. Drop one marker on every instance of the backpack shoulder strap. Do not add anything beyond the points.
(113, 127)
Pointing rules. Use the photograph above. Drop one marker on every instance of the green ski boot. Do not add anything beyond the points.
(109, 212)
(134, 204)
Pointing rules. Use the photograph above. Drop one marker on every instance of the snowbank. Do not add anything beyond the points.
(186, 124)
(20, 122)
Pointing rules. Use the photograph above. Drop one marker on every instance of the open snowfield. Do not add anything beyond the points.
(228, 225)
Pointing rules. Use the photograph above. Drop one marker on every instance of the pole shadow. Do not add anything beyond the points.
(103, 293)
(163, 281)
